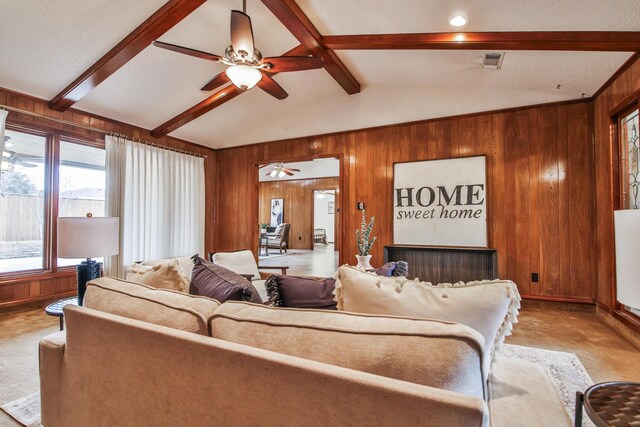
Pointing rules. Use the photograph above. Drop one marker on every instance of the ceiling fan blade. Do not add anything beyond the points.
(216, 81)
(270, 86)
(23, 163)
(293, 170)
(282, 64)
(187, 51)
(241, 33)
(287, 172)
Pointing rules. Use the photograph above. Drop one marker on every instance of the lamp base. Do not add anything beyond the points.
(87, 271)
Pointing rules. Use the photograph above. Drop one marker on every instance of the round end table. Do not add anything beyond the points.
(55, 309)
(615, 403)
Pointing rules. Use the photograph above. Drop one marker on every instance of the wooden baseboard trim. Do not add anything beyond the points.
(558, 299)
(624, 323)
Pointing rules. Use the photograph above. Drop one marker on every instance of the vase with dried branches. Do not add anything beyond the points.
(364, 242)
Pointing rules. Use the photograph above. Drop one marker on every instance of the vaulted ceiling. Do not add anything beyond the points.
(45, 45)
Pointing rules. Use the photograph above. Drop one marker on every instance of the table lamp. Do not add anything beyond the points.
(627, 228)
(89, 237)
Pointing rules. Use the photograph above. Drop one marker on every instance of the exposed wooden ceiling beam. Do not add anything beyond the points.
(294, 19)
(626, 41)
(223, 95)
(156, 25)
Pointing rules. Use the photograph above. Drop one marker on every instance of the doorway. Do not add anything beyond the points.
(305, 235)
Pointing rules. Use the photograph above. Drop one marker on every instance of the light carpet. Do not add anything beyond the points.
(567, 373)
(565, 370)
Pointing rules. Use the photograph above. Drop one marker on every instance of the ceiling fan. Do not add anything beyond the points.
(280, 171)
(12, 158)
(247, 68)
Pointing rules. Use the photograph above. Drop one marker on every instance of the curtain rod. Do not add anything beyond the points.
(66, 122)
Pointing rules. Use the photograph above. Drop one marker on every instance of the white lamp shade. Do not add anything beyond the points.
(80, 237)
(627, 225)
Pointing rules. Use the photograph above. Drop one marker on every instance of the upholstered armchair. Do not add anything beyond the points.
(278, 239)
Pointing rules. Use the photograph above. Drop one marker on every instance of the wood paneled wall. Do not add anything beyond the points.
(52, 285)
(298, 205)
(614, 96)
(540, 187)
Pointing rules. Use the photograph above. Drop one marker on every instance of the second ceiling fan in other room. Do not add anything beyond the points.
(279, 171)
(247, 68)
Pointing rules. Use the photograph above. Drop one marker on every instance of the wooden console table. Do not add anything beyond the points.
(437, 264)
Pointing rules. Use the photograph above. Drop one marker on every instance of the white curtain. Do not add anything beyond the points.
(3, 119)
(159, 196)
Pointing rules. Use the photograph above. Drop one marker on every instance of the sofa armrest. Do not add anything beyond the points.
(51, 350)
(283, 268)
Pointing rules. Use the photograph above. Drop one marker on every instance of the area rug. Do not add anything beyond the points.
(567, 373)
(25, 410)
(565, 370)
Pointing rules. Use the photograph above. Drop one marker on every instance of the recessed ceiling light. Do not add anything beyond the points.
(458, 21)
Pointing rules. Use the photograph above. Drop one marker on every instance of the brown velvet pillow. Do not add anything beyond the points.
(300, 292)
(214, 281)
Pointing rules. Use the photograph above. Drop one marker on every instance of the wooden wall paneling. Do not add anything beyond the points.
(496, 193)
(579, 181)
(534, 189)
(549, 202)
(563, 198)
(524, 192)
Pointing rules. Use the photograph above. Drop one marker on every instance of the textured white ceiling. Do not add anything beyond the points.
(45, 44)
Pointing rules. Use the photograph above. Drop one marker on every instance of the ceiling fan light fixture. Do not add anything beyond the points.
(243, 76)
(281, 174)
(274, 173)
(458, 21)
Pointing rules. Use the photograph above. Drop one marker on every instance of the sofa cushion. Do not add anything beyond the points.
(439, 354)
(165, 275)
(241, 262)
(214, 281)
(184, 261)
(300, 292)
(490, 307)
(159, 306)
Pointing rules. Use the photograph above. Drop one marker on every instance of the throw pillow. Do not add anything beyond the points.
(490, 307)
(168, 275)
(214, 281)
(300, 292)
(402, 269)
(386, 270)
(136, 271)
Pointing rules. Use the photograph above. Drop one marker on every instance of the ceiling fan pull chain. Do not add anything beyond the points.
(244, 6)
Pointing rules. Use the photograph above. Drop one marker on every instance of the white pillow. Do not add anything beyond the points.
(241, 262)
(489, 306)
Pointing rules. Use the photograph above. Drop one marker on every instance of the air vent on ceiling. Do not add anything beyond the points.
(492, 61)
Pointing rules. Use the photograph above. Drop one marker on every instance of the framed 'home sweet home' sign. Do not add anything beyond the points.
(440, 202)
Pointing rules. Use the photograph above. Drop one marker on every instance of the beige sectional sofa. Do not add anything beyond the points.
(140, 356)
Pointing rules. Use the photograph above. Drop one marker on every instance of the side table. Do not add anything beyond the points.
(55, 309)
(615, 403)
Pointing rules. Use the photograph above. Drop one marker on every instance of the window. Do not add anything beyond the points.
(22, 202)
(630, 159)
(31, 198)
